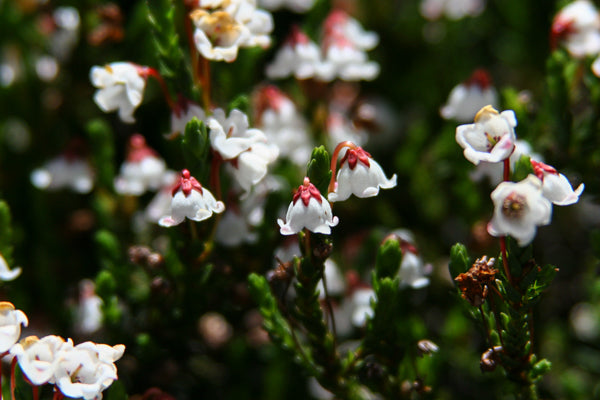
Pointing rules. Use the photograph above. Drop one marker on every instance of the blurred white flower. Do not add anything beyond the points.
(519, 208)
(555, 186)
(362, 309)
(491, 138)
(190, 200)
(184, 114)
(310, 210)
(577, 26)
(469, 97)
(282, 124)
(340, 129)
(336, 284)
(64, 38)
(360, 175)
(299, 6)
(250, 167)
(298, 56)
(89, 310)
(120, 87)
(233, 229)
(7, 274)
(142, 170)
(10, 325)
(231, 136)
(66, 171)
(453, 9)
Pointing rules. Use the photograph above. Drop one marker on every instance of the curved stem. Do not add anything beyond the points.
(13, 378)
(334, 158)
(149, 71)
(329, 307)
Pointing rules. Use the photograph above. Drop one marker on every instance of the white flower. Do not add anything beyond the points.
(336, 285)
(299, 6)
(87, 369)
(250, 167)
(339, 23)
(469, 97)
(143, 170)
(38, 358)
(341, 129)
(360, 175)
(453, 9)
(217, 35)
(491, 138)
(519, 208)
(412, 270)
(310, 210)
(555, 186)
(282, 124)
(183, 115)
(577, 25)
(10, 325)
(231, 136)
(7, 274)
(495, 171)
(362, 310)
(233, 230)
(190, 200)
(299, 56)
(120, 87)
(89, 310)
(66, 171)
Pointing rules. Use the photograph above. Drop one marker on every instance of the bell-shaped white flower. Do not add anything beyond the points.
(231, 136)
(310, 210)
(7, 274)
(491, 138)
(89, 310)
(299, 56)
(10, 325)
(362, 310)
(190, 200)
(84, 371)
(555, 186)
(519, 208)
(218, 36)
(120, 87)
(360, 175)
(233, 229)
(143, 170)
(412, 269)
(469, 97)
(577, 26)
(38, 358)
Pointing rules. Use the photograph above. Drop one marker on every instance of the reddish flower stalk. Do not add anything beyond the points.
(334, 158)
(145, 72)
(13, 381)
(503, 238)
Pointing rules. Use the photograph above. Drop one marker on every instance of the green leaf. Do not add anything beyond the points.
(6, 247)
(540, 368)
(103, 152)
(389, 258)
(522, 169)
(318, 169)
(241, 102)
(195, 147)
(459, 260)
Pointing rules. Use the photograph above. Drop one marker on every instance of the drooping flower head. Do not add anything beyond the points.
(469, 97)
(358, 174)
(190, 200)
(519, 208)
(491, 138)
(120, 88)
(555, 186)
(308, 209)
(577, 26)
(38, 358)
(143, 170)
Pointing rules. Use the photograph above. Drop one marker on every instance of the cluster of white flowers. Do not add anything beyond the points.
(223, 26)
(79, 371)
(453, 9)
(342, 53)
(519, 208)
(577, 27)
(69, 170)
(468, 97)
(246, 150)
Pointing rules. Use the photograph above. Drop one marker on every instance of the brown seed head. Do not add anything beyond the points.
(474, 283)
